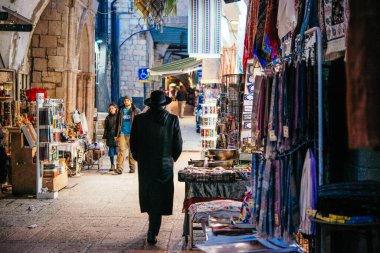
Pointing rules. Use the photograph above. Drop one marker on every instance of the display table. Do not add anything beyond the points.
(75, 152)
(207, 191)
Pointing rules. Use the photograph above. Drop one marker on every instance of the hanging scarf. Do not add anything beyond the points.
(261, 111)
(259, 45)
(280, 108)
(250, 31)
(335, 20)
(308, 194)
(286, 17)
(271, 27)
(296, 99)
(268, 94)
(259, 191)
(262, 228)
(272, 105)
(277, 198)
(256, 106)
(302, 98)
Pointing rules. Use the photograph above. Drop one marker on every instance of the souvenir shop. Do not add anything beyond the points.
(41, 149)
(287, 114)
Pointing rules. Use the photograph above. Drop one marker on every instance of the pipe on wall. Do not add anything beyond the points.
(115, 53)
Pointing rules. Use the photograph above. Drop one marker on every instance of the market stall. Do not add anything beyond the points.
(43, 149)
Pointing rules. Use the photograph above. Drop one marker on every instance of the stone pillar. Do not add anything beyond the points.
(71, 91)
(71, 85)
(90, 101)
(80, 92)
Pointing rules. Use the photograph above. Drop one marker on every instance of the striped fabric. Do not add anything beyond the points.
(204, 27)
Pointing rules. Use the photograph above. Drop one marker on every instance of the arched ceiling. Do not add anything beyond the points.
(14, 45)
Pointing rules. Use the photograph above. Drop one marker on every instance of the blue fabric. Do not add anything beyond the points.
(126, 124)
(200, 101)
(112, 151)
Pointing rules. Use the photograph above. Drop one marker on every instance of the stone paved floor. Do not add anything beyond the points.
(97, 212)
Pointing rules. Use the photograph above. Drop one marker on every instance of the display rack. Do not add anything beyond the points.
(209, 118)
(50, 125)
(231, 105)
(7, 95)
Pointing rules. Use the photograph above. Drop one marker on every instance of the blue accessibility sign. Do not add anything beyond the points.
(143, 74)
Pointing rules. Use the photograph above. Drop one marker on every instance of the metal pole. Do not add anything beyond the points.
(38, 162)
(115, 78)
(317, 30)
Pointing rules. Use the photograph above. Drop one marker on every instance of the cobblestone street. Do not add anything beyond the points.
(96, 212)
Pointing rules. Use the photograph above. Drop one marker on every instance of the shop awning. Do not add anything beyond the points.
(170, 35)
(182, 66)
(154, 78)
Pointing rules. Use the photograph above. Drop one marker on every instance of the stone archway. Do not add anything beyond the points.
(83, 67)
(86, 77)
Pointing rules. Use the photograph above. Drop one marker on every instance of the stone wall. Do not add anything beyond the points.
(133, 53)
(62, 57)
(49, 49)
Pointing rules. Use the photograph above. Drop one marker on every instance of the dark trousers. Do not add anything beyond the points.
(155, 222)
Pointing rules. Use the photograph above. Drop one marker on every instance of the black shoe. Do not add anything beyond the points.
(131, 171)
(151, 239)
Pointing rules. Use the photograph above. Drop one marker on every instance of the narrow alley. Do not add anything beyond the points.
(96, 212)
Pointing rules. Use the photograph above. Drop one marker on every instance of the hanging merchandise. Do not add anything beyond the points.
(204, 25)
(250, 31)
(308, 193)
(286, 17)
(284, 125)
(335, 21)
(231, 104)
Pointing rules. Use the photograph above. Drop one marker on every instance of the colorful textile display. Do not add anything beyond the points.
(204, 27)
(218, 209)
(286, 17)
(250, 32)
(335, 23)
(308, 194)
(227, 61)
(271, 27)
(247, 208)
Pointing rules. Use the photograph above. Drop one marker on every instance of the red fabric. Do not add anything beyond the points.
(363, 74)
(271, 26)
(250, 31)
(31, 94)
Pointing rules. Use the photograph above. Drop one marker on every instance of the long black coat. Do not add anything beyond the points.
(110, 125)
(156, 143)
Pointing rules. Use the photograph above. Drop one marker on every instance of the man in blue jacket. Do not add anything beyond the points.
(124, 121)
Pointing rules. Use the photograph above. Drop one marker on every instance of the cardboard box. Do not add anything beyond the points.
(57, 183)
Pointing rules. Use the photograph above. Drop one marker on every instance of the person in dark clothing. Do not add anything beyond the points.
(181, 98)
(110, 133)
(155, 143)
(125, 118)
(200, 101)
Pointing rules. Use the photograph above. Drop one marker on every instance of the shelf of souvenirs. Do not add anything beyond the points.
(208, 127)
(214, 115)
(209, 138)
(6, 98)
(208, 133)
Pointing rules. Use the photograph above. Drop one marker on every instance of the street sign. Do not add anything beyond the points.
(143, 74)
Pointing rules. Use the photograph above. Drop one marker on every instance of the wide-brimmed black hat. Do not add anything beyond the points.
(157, 98)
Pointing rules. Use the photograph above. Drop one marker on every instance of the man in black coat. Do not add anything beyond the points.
(156, 143)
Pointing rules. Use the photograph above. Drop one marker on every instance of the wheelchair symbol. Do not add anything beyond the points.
(143, 75)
